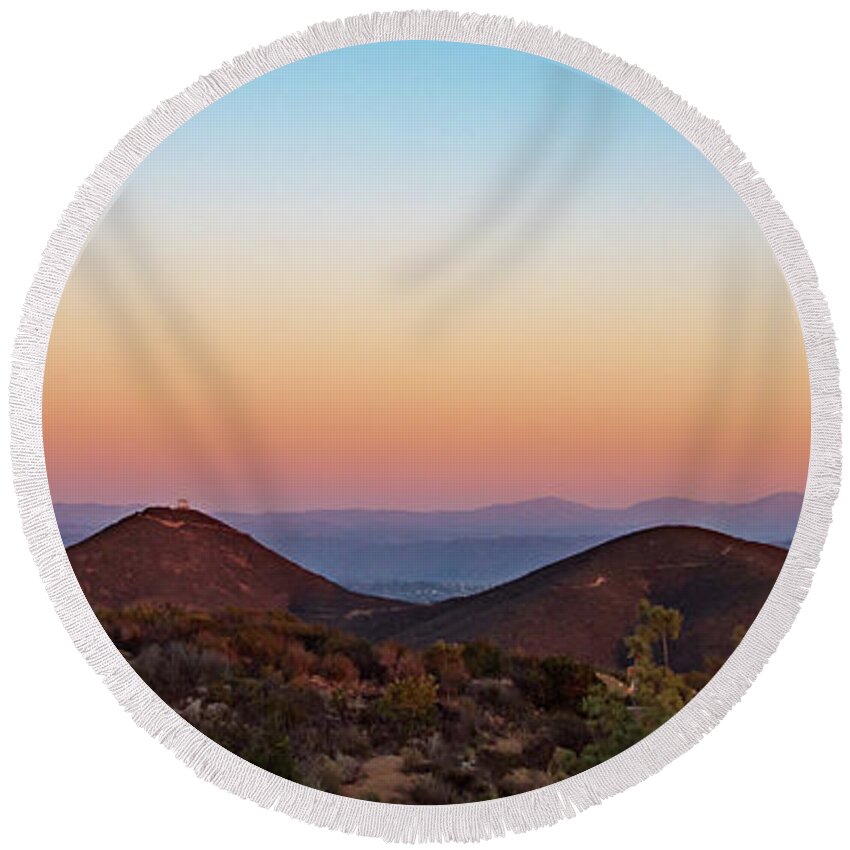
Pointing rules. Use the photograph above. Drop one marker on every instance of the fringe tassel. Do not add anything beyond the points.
(471, 821)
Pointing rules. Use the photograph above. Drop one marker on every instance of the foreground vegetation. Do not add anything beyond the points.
(454, 723)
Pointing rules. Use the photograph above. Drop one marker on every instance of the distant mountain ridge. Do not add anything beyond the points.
(435, 552)
(773, 517)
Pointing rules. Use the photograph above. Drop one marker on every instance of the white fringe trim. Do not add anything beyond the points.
(470, 821)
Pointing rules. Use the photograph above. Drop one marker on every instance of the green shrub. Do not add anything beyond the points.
(273, 756)
(409, 705)
(413, 760)
(500, 697)
(445, 662)
(485, 660)
(462, 720)
(568, 729)
(564, 763)
(325, 774)
(352, 741)
(175, 670)
(612, 726)
(553, 682)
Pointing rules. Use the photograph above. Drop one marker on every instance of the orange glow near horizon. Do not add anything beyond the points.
(623, 408)
(279, 322)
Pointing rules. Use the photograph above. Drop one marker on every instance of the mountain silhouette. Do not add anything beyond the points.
(766, 520)
(769, 519)
(185, 557)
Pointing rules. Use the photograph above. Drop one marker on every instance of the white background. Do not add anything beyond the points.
(75, 769)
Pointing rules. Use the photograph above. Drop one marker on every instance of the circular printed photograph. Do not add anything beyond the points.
(426, 422)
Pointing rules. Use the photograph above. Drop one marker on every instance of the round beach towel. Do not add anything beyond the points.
(426, 425)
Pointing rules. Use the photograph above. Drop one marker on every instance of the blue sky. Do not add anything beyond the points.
(430, 121)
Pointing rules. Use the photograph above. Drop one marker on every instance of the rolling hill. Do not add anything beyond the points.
(584, 605)
(184, 557)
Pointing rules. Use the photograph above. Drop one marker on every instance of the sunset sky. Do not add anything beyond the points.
(425, 275)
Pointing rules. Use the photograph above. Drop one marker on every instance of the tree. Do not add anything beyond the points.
(659, 694)
(656, 625)
(612, 726)
(657, 691)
